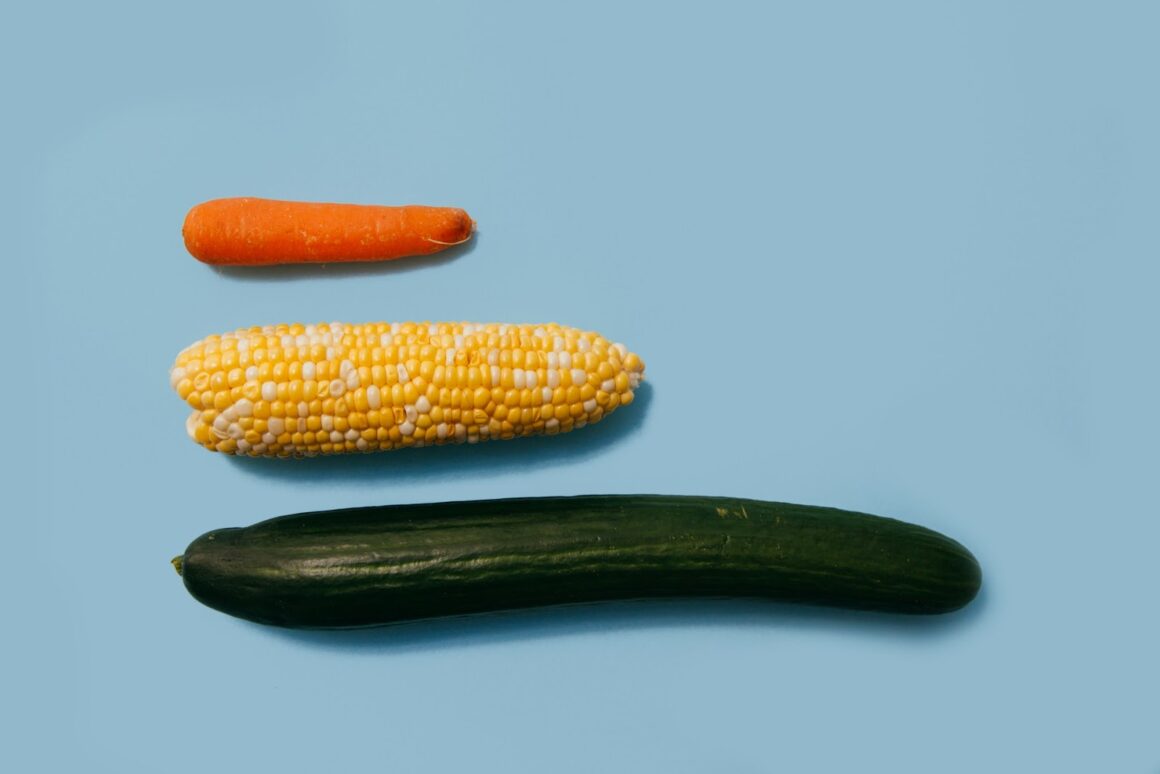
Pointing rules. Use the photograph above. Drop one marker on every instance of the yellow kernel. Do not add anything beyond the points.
(399, 415)
(235, 377)
(473, 378)
(212, 362)
(369, 435)
(437, 413)
(427, 369)
(576, 410)
(614, 400)
(207, 397)
(227, 446)
(501, 412)
(221, 401)
(527, 416)
(184, 388)
(341, 424)
(626, 398)
(512, 397)
(277, 408)
(201, 434)
(293, 370)
(264, 371)
(314, 423)
(253, 437)
(561, 411)
(482, 397)
(547, 411)
(573, 394)
(294, 391)
(341, 409)
(357, 421)
(201, 381)
(602, 398)
(423, 421)
(621, 381)
(587, 392)
(360, 400)
(633, 363)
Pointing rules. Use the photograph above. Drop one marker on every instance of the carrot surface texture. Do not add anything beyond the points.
(247, 231)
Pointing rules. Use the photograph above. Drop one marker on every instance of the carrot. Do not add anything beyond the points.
(251, 232)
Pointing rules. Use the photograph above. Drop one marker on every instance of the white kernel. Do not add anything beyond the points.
(546, 394)
(303, 409)
(221, 424)
(441, 430)
(337, 388)
(361, 444)
(327, 422)
(589, 405)
(634, 379)
(411, 413)
(344, 368)
(176, 375)
(608, 385)
(530, 379)
(579, 377)
(231, 414)
(450, 356)
(565, 359)
(518, 378)
(243, 344)
(404, 377)
(495, 374)
(620, 350)
(423, 406)
(553, 378)
(374, 398)
(552, 424)
(276, 425)
(308, 371)
(236, 431)
(336, 437)
(352, 380)
(259, 448)
(385, 340)
(269, 391)
(191, 423)
(493, 357)
(287, 341)
(558, 343)
(407, 428)
(269, 438)
(243, 446)
(460, 431)
(244, 407)
(352, 434)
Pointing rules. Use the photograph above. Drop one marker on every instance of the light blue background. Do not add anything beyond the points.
(897, 257)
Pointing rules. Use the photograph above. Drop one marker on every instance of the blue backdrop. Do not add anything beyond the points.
(897, 257)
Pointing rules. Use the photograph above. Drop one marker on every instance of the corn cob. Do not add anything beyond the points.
(301, 390)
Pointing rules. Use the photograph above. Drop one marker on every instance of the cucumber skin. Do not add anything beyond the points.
(379, 565)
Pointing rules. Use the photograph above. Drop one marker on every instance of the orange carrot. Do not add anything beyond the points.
(251, 232)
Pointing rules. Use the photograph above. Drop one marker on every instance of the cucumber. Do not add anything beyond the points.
(370, 566)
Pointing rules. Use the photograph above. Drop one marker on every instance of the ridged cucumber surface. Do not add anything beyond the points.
(379, 565)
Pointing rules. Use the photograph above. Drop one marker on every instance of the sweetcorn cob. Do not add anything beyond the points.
(301, 390)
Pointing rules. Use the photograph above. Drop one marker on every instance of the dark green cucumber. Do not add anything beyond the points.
(369, 566)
